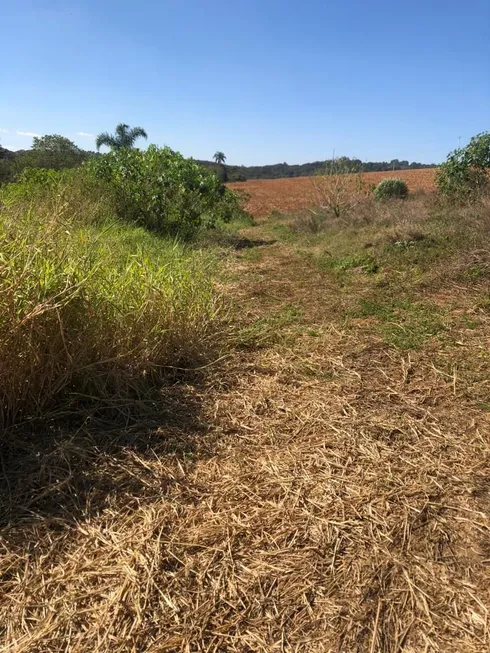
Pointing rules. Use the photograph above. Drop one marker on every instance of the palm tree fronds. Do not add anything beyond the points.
(124, 137)
(105, 139)
(219, 157)
(138, 132)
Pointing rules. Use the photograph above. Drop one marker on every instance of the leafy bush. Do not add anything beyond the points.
(163, 191)
(91, 309)
(391, 188)
(464, 175)
(68, 195)
(31, 183)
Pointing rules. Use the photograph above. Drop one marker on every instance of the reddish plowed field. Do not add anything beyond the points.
(299, 193)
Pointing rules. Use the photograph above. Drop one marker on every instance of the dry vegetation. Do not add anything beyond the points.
(324, 489)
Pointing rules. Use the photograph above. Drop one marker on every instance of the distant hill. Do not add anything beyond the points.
(284, 170)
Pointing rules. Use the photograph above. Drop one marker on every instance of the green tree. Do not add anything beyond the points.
(56, 152)
(52, 151)
(464, 175)
(125, 137)
(219, 157)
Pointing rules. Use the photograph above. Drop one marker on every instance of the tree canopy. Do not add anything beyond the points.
(51, 151)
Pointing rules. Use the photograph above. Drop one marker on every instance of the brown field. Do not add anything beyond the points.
(267, 195)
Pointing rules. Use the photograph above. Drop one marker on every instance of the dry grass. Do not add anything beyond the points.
(322, 492)
(94, 311)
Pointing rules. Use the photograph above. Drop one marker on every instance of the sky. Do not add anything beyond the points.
(264, 81)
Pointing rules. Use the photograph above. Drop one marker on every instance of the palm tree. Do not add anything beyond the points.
(125, 136)
(219, 157)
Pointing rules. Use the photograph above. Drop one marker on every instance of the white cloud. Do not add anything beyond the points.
(85, 134)
(4, 131)
(31, 134)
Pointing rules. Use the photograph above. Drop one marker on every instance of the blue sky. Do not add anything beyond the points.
(265, 81)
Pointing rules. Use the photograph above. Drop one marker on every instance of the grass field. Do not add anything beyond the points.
(324, 487)
(268, 195)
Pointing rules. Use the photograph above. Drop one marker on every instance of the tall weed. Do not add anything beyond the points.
(92, 308)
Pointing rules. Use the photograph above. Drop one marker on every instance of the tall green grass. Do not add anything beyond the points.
(91, 308)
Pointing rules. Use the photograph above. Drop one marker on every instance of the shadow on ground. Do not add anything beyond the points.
(247, 243)
(58, 475)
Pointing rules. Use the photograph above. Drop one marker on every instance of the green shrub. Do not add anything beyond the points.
(464, 175)
(32, 183)
(391, 188)
(71, 195)
(163, 191)
(93, 309)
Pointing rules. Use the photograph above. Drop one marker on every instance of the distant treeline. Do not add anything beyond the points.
(51, 151)
(278, 170)
(58, 152)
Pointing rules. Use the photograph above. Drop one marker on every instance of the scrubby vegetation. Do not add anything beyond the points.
(161, 190)
(465, 174)
(339, 187)
(322, 486)
(97, 297)
(51, 152)
(387, 253)
(390, 189)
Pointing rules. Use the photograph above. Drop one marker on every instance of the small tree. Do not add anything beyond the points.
(125, 137)
(339, 187)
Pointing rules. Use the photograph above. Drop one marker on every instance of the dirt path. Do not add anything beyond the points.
(323, 501)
